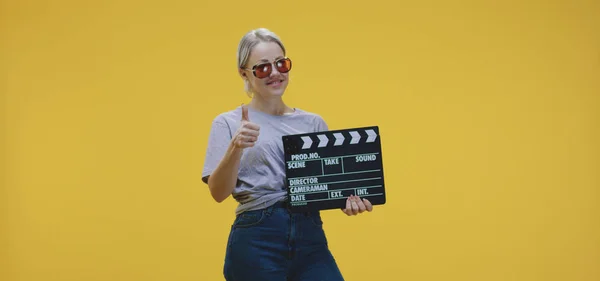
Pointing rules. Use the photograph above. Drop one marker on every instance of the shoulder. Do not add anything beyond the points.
(314, 118)
(307, 114)
(224, 123)
(228, 117)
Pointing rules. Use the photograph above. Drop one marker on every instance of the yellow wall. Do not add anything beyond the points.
(489, 114)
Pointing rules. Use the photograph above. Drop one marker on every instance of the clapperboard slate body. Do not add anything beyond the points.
(324, 168)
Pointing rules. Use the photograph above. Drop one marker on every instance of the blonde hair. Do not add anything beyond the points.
(247, 43)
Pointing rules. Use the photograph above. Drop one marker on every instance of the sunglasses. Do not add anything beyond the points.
(263, 70)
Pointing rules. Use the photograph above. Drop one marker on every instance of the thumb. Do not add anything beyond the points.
(245, 113)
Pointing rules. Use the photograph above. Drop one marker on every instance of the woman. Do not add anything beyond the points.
(245, 159)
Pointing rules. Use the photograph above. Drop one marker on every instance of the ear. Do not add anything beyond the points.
(242, 72)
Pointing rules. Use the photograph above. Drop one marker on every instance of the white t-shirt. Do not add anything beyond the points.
(261, 176)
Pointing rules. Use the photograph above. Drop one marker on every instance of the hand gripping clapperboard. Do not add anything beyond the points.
(324, 168)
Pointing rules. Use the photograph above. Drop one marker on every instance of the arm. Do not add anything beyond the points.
(354, 204)
(224, 154)
(223, 179)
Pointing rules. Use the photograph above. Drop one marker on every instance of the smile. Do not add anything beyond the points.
(275, 83)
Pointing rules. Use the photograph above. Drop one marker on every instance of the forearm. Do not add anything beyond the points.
(223, 179)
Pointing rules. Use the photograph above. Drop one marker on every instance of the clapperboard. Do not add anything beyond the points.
(324, 168)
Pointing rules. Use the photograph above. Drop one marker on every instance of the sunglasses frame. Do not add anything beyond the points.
(272, 65)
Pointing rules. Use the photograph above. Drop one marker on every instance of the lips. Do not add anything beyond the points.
(275, 82)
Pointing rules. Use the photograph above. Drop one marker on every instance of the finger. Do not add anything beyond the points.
(368, 204)
(245, 113)
(246, 138)
(243, 143)
(344, 210)
(354, 206)
(249, 132)
(348, 209)
(361, 205)
(252, 126)
(246, 144)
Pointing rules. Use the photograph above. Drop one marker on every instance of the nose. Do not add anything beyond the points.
(274, 70)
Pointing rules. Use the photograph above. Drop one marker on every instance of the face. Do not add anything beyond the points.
(269, 78)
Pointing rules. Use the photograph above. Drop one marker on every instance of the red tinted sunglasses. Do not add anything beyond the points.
(263, 70)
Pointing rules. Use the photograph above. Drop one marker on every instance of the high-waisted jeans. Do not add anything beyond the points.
(274, 244)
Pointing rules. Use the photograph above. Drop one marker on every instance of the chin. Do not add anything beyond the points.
(276, 92)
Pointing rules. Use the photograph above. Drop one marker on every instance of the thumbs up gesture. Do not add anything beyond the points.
(247, 133)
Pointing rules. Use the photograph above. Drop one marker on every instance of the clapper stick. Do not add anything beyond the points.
(324, 168)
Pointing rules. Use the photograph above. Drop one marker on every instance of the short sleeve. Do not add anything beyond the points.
(321, 125)
(218, 143)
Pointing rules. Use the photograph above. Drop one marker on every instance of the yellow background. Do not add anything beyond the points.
(488, 111)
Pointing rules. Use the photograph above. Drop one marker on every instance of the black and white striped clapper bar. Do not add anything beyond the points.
(324, 168)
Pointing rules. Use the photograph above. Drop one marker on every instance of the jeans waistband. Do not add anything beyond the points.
(284, 204)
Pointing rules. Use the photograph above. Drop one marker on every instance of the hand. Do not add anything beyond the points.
(247, 133)
(355, 206)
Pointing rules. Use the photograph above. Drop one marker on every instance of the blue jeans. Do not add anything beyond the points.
(273, 244)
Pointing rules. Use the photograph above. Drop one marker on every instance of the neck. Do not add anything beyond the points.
(273, 106)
